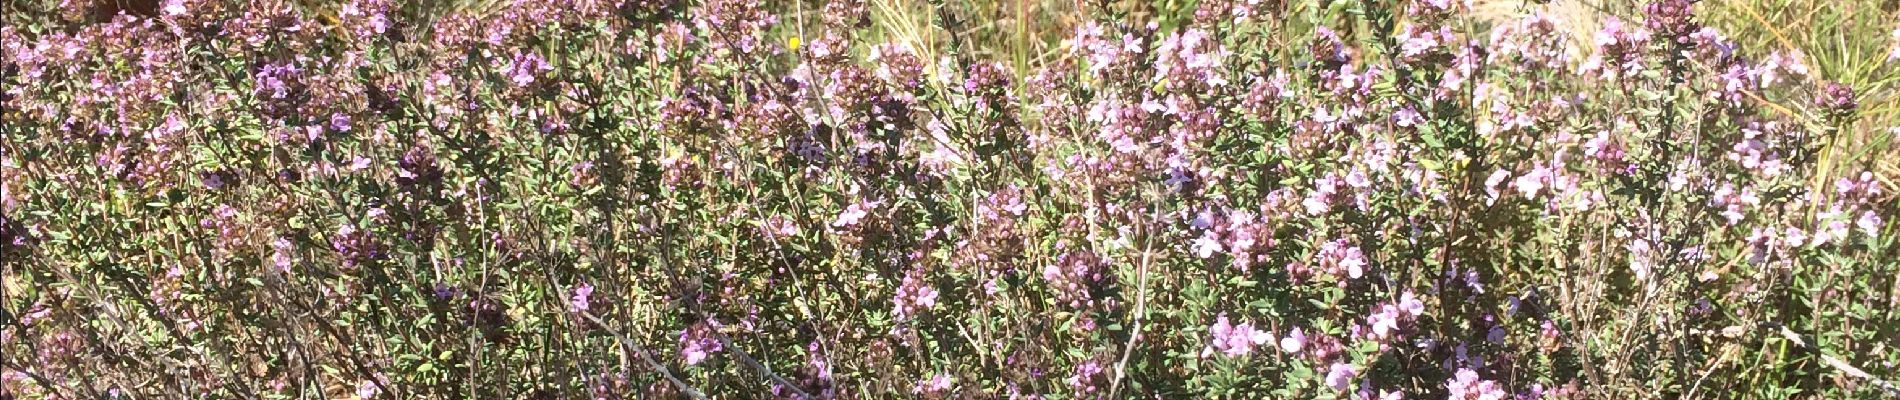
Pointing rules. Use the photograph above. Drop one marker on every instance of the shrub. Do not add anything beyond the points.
(735, 198)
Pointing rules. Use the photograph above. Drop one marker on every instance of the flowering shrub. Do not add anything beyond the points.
(746, 199)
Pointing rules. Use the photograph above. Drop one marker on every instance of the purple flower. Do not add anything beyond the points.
(1073, 276)
(1410, 304)
(283, 254)
(525, 66)
(1325, 194)
(1534, 182)
(1491, 185)
(1419, 41)
(1205, 246)
(1672, 18)
(1090, 378)
(583, 175)
(365, 18)
(1189, 59)
(444, 292)
(1547, 331)
(1385, 323)
(898, 64)
(339, 122)
(1342, 259)
(913, 296)
(778, 227)
(1340, 376)
(1294, 341)
(935, 387)
(1619, 49)
(579, 301)
(1868, 223)
(1466, 385)
(853, 214)
(1837, 99)
(417, 169)
(280, 89)
(355, 247)
(367, 389)
(1328, 49)
(1235, 340)
(1858, 190)
(1407, 117)
(697, 343)
(987, 79)
(216, 180)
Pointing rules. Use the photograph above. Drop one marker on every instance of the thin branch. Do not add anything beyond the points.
(354, 357)
(749, 361)
(1887, 387)
(35, 377)
(726, 342)
(644, 356)
(1141, 311)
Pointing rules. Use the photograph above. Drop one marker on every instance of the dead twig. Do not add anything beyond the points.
(1888, 387)
(641, 352)
(1141, 310)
